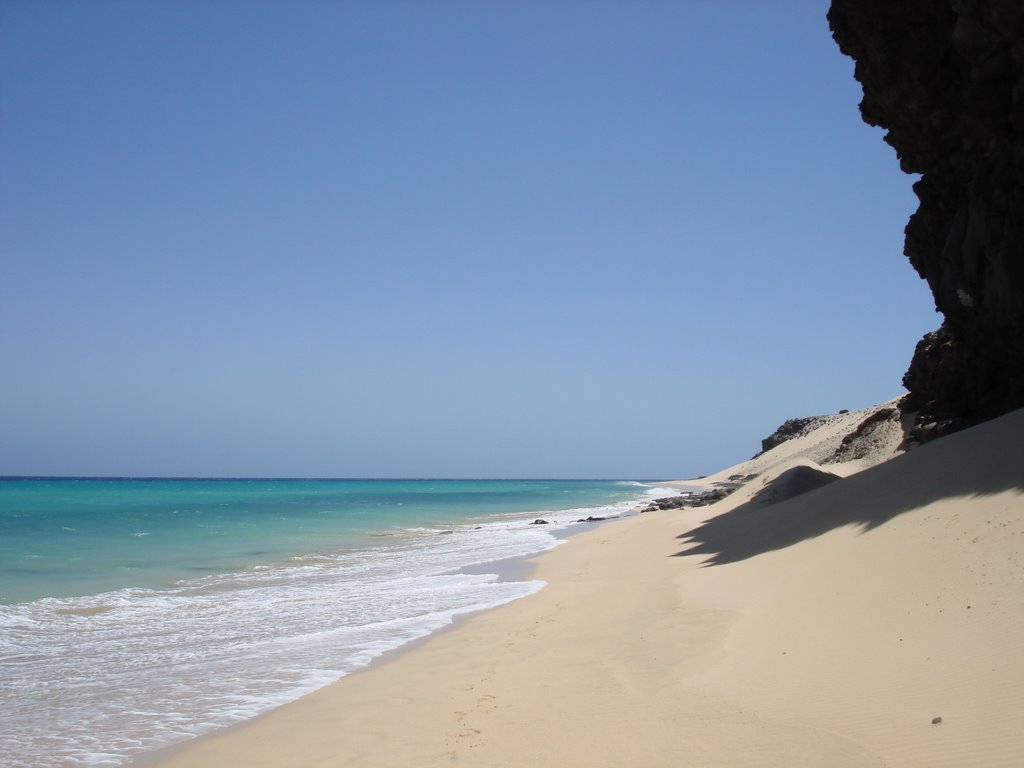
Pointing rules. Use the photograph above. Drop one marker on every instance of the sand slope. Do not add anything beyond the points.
(876, 603)
(823, 630)
(819, 446)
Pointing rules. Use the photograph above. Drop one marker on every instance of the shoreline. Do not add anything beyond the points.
(114, 676)
(832, 627)
(463, 629)
(510, 569)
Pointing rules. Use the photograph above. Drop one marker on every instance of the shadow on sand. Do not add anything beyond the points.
(983, 460)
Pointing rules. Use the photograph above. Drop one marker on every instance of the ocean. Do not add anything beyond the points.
(139, 613)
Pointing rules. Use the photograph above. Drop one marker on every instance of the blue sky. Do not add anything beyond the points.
(469, 239)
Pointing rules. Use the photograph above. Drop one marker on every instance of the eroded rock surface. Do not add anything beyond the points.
(945, 79)
(875, 433)
(790, 429)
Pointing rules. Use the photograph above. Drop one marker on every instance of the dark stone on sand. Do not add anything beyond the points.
(687, 500)
(590, 519)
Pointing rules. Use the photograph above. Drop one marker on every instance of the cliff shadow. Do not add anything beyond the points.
(980, 461)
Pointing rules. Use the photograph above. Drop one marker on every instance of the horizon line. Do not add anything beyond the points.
(388, 478)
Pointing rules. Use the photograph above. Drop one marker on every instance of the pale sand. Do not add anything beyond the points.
(826, 630)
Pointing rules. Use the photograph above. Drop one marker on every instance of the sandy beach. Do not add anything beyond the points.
(875, 620)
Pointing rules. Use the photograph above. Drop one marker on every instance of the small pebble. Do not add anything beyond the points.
(936, 720)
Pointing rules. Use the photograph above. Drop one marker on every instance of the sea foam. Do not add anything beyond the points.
(98, 679)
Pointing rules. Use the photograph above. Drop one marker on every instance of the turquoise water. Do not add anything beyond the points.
(139, 613)
(70, 537)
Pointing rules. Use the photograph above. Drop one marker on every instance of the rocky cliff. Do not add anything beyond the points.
(945, 79)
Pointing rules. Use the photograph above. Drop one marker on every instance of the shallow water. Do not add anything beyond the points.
(144, 612)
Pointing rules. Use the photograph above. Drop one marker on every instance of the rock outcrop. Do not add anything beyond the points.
(790, 429)
(945, 79)
(688, 500)
(873, 434)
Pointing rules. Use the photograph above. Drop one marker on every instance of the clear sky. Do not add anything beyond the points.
(459, 239)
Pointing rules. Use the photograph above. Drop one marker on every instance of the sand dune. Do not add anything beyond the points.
(775, 628)
(821, 445)
(873, 605)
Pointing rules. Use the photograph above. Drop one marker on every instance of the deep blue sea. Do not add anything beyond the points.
(138, 613)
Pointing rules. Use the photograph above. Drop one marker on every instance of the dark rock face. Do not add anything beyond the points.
(788, 430)
(945, 78)
(865, 437)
